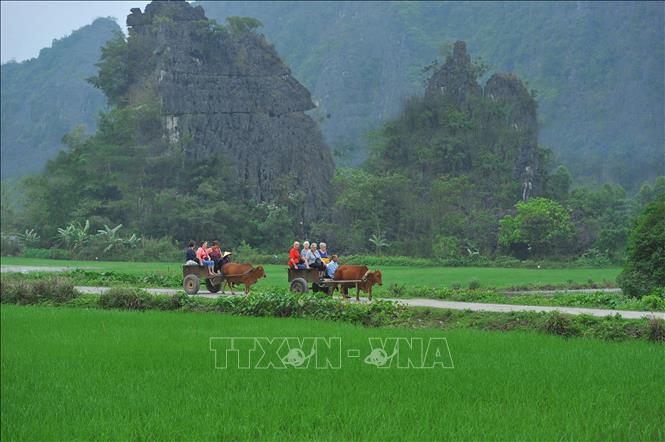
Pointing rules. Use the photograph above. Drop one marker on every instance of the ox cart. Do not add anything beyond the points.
(300, 280)
(192, 276)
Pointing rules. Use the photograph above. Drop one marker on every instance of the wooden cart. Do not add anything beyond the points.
(301, 279)
(192, 276)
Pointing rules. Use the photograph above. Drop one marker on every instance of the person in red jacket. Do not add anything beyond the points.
(294, 257)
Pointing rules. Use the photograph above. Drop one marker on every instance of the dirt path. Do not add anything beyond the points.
(476, 306)
(28, 269)
(434, 303)
(561, 291)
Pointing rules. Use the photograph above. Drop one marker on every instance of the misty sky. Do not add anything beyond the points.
(28, 26)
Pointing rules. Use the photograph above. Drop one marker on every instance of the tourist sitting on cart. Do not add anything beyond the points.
(323, 251)
(295, 261)
(190, 253)
(313, 258)
(331, 268)
(215, 254)
(204, 258)
(303, 252)
(225, 260)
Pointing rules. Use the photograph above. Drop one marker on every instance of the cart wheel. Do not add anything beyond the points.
(191, 284)
(212, 288)
(299, 285)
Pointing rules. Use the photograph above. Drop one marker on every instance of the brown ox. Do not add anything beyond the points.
(242, 274)
(362, 273)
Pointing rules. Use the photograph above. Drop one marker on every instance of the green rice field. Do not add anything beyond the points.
(97, 374)
(407, 276)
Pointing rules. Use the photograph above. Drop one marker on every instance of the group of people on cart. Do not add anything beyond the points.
(313, 257)
(211, 257)
(310, 256)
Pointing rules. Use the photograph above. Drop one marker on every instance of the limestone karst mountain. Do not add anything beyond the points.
(227, 92)
(462, 127)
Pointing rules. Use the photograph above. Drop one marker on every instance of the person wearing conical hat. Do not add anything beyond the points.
(226, 258)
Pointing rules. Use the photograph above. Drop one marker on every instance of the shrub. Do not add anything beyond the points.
(84, 301)
(653, 302)
(656, 330)
(558, 324)
(125, 298)
(284, 304)
(474, 284)
(9, 245)
(397, 290)
(645, 264)
(12, 290)
(58, 290)
(163, 250)
(446, 247)
(168, 302)
(594, 258)
(541, 227)
(91, 277)
(53, 253)
(20, 291)
(610, 329)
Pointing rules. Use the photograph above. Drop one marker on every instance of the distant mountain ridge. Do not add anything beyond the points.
(45, 97)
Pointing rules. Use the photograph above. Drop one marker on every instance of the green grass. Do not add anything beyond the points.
(94, 374)
(408, 276)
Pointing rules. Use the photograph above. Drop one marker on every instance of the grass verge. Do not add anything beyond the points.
(60, 292)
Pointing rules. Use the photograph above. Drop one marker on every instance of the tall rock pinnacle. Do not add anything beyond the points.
(226, 91)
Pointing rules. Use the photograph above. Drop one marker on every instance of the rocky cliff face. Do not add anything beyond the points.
(520, 117)
(229, 93)
(455, 81)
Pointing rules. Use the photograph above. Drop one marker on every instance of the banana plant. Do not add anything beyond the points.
(133, 241)
(471, 249)
(29, 238)
(110, 237)
(74, 236)
(379, 242)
